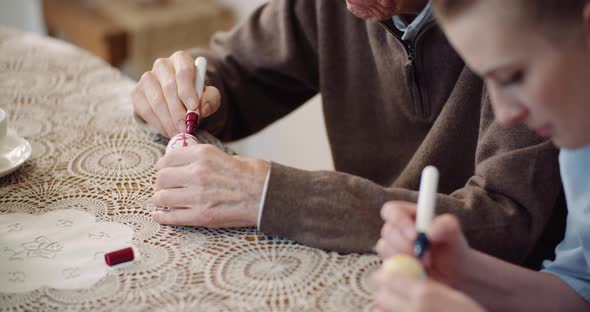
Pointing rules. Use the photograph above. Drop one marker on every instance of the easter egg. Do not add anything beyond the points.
(181, 140)
(404, 264)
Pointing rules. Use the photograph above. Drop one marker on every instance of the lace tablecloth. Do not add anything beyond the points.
(90, 155)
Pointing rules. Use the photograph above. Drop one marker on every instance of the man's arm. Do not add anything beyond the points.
(269, 66)
(504, 207)
(264, 68)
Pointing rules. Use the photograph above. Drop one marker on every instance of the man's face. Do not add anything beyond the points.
(378, 10)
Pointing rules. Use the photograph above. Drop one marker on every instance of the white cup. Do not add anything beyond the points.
(3, 124)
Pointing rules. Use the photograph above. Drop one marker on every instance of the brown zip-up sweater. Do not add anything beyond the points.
(391, 108)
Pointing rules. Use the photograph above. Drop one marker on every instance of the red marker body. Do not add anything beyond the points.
(192, 122)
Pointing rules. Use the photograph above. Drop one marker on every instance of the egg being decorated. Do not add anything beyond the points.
(181, 140)
(404, 264)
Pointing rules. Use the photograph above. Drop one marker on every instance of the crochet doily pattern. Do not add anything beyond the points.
(92, 156)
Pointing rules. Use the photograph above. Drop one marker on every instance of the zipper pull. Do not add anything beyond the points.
(411, 51)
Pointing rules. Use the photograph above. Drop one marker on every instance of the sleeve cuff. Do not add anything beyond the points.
(260, 209)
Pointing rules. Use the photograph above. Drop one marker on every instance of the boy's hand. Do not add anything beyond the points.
(448, 252)
(397, 292)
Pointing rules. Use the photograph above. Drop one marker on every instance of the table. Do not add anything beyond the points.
(90, 155)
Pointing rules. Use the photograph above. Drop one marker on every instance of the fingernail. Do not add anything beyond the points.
(192, 103)
(156, 215)
(378, 246)
(205, 109)
(181, 126)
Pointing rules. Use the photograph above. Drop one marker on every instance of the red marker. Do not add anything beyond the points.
(192, 121)
(192, 117)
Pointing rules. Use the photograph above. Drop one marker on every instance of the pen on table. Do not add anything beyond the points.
(426, 206)
(192, 117)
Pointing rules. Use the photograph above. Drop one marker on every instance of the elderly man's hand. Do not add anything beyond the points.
(206, 187)
(162, 95)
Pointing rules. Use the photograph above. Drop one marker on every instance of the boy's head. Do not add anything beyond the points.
(534, 56)
(539, 11)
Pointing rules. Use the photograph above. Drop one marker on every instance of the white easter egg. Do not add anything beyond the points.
(181, 140)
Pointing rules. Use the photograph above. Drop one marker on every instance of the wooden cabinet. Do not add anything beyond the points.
(136, 32)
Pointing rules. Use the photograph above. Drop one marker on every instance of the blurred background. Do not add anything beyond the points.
(131, 34)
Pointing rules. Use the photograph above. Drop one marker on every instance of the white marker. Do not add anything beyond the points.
(426, 206)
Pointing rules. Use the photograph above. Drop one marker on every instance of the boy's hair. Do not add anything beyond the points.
(543, 11)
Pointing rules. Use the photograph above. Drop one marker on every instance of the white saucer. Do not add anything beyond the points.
(14, 151)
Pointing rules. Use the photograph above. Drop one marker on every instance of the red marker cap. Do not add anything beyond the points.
(119, 256)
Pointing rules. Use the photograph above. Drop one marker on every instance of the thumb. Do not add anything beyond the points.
(445, 229)
(210, 102)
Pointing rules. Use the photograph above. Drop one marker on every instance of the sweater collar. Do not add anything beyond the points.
(410, 31)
